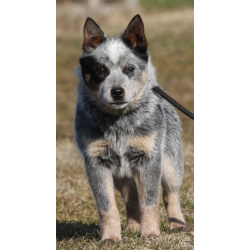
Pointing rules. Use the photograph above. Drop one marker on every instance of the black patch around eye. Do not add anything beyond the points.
(93, 72)
(100, 70)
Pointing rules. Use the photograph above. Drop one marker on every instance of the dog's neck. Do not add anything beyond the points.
(104, 120)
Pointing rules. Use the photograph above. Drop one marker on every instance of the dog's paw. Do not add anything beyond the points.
(133, 227)
(150, 234)
(111, 239)
(178, 228)
(177, 225)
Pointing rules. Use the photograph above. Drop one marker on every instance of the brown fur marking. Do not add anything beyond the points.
(172, 203)
(150, 215)
(110, 225)
(143, 143)
(140, 84)
(150, 220)
(171, 185)
(91, 40)
(91, 85)
(97, 147)
(169, 174)
(135, 34)
(87, 77)
(105, 107)
(110, 220)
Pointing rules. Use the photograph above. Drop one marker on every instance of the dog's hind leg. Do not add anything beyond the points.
(128, 190)
(171, 182)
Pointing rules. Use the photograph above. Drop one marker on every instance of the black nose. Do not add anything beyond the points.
(117, 93)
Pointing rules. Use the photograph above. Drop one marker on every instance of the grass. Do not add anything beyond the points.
(167, 3)
(170, 37)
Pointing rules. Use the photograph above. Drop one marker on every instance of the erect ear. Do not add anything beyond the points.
(93, 35)
(134, 35)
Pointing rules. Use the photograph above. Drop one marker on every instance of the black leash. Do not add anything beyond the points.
(173, 102)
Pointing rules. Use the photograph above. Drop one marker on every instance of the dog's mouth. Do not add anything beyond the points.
(117, 103)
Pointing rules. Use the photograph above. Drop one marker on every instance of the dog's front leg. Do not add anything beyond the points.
(101, 182)
(149, 186)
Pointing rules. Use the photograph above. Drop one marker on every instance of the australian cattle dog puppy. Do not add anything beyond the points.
(126, 132)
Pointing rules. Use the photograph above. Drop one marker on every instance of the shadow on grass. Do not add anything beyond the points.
(69, 229)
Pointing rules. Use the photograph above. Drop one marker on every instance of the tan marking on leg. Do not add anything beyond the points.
(110, 220)
(150, 221)
(143, 143)
(150, 215)
(176, 219)
(110, 225)
(171, 184)
(96, 147)
(169, 173)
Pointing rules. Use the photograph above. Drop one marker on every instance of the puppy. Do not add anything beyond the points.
(126, 131)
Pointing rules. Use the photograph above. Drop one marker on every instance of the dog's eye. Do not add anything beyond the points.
(100, 70)
(130, 69)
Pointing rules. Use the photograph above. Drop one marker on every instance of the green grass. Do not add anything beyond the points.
(168, 4)
(170, 37)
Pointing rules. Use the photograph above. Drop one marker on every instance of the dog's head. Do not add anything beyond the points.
(115, 69)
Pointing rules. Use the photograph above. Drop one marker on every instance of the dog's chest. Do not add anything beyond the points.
(123, 154)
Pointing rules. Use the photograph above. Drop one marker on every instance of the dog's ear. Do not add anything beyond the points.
(93, 34)
(134, 35)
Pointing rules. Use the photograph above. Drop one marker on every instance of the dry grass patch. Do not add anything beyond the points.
(77, 217)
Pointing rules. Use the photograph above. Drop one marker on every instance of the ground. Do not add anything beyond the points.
(170, 37)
